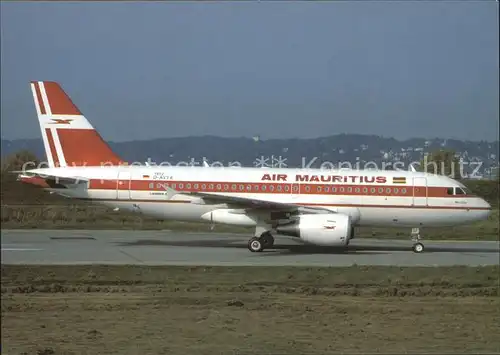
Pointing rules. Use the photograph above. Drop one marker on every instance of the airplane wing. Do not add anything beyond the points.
(250, 202)
(205, 197)
(247, 203)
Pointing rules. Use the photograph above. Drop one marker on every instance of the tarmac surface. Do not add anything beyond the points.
(177, 248)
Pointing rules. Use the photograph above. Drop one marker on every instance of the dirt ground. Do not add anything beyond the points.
(245, 310)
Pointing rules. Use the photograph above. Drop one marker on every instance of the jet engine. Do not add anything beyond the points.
(332, 229)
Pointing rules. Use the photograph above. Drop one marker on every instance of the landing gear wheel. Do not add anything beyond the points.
(267, 240)
(255, 245)
(418, 247)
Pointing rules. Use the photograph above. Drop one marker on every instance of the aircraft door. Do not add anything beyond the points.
(420, 191)
(123, 186)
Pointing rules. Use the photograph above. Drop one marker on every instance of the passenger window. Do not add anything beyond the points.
(327, 189)
(450, 191)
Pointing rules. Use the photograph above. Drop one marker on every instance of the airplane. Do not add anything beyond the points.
(313, 205)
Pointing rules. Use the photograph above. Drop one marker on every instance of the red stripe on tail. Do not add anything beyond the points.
(52, 146)
(85, 147)
(60, 103)
(39, 98)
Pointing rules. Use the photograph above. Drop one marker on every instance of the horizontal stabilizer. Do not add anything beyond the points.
(49, 180)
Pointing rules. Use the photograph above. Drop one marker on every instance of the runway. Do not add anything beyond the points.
(175, 248)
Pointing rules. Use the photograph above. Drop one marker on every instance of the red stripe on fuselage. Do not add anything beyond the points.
(280, 188)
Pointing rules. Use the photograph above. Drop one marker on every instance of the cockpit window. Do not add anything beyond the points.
(453, 191)
(466, 191)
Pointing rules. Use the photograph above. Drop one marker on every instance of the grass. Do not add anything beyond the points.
(100, 217)
(248, 310)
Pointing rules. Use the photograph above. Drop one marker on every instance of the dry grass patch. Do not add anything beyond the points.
(248, 310)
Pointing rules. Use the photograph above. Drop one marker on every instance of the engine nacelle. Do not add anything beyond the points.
(352, 212)
(229, 216)
(321, 229)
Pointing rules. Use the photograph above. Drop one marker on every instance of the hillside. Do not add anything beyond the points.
(291, 152)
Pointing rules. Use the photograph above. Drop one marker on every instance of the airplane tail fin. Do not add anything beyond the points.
(68, 137)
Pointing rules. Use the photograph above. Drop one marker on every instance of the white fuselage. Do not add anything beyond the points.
(371, 197)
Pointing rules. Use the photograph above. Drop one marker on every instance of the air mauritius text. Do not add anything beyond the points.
(326, 178)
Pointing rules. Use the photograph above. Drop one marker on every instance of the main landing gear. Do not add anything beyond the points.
(266, 240)
(417, 247)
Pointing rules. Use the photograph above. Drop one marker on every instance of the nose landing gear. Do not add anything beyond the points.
(417, 247)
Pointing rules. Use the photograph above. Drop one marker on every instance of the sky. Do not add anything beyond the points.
(140, 71)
